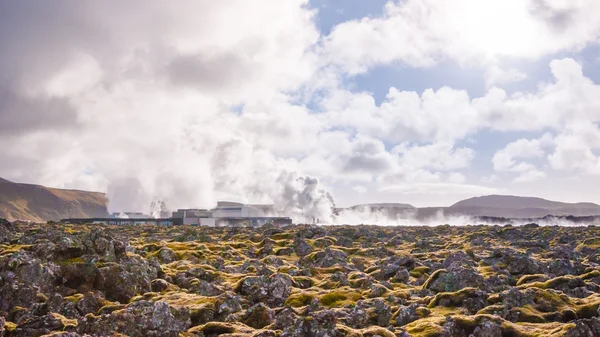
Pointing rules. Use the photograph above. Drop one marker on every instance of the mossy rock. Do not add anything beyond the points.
(532, 278)
(299, 300)
(339, 298)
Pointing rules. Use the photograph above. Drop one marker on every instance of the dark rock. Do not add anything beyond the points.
(301, 247)
(159, 285)
(407, 314)
(121, 281)
(38, 326)
(456, 278)
(258, 316)
(273, 290)
(585, 328)
(328, 258)
(142, 318)
(487, 329)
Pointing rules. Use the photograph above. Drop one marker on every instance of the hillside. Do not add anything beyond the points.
(520, 207)
(38, 203)
(388, 209)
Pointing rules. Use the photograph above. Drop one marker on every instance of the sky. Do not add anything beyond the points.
(302, 103)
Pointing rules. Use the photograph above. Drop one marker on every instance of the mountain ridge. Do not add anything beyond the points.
(37, 203)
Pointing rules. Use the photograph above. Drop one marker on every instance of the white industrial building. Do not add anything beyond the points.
(227, 213)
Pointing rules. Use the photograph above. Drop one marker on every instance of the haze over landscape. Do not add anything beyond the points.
(40, 204)
(298, 103)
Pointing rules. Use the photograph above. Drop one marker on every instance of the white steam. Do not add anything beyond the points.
(409, 217)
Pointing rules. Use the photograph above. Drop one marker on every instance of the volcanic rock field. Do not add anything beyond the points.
(305, 280)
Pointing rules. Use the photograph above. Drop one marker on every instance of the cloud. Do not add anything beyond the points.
(141, 97)
(575, 149)
(21, 113)
(200, 101)
(368, 155)
(421, 33)
(505, 159)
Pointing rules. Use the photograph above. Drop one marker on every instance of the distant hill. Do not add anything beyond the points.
(40, 204)
(388, 209)
(496, 206)
(520, 207)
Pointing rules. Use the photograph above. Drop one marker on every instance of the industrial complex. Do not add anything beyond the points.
(225, 214)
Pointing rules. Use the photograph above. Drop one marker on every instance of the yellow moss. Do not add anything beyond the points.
(590, 243)
(486, 271)
(327, 271)
(529, 278)
(220, 328)
(66, 322)
(183, 299)
(281, 236)
(433, 277)
(589, 275)
(67, 262)
(10, 326)
(10, 249)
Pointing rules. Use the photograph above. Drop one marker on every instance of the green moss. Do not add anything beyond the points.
(453, 298)
(376, 331)
(419, 271)
(528, 314)
(304, 282)
(41, 298)
(433, 277)
(339, 298)
(426, 327)
(299, 300)
(74, 298)
(109, 308)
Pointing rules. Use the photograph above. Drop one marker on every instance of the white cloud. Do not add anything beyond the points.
(423, 32)
(575, 148)
(204, 100)
(505, 159)
(437, 156)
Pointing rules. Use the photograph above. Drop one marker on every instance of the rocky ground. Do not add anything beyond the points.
(67, 280)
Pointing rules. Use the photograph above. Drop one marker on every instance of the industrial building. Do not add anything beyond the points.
(228, 214)
(130, 215)
(225, 214)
